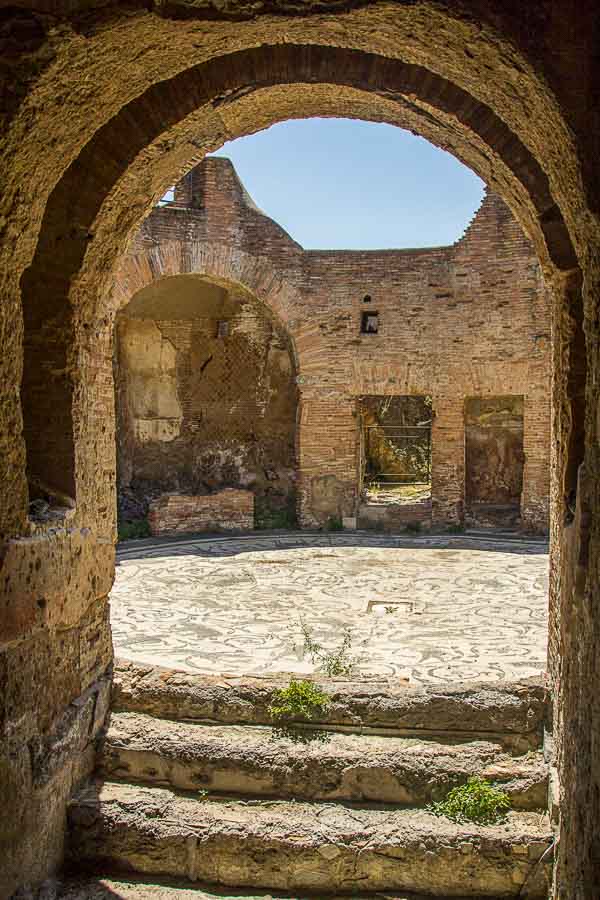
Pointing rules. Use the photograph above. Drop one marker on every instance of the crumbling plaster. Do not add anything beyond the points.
(216, 409)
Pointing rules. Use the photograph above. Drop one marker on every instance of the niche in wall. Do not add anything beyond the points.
(494, 460)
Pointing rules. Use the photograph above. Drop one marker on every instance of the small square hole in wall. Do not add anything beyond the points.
(369, 322)
(222, 328)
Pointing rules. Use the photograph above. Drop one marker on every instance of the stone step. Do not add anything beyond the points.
(262, 761)
(96, 888)
(511, 712)
(297, 846)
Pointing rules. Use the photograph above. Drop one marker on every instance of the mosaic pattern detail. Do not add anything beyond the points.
(431, 608)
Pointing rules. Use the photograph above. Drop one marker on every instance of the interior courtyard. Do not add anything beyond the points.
(234, 468)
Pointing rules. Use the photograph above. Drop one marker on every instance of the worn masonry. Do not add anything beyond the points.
(245, 361)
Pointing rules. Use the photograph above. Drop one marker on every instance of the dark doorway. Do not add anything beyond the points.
(494, 460)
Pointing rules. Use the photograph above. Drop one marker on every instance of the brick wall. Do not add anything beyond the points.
(228, 510)
(206, 395)
(465, 321)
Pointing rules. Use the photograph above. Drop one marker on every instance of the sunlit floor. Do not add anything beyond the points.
(433, 609)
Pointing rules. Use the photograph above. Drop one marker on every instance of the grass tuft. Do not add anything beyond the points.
(476, 801)
(334, 523)
(300, 700)
(135, 528)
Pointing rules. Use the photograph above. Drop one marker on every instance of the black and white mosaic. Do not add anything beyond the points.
(433, 608)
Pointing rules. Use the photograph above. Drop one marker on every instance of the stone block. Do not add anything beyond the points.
(40, 678)
(228, 510)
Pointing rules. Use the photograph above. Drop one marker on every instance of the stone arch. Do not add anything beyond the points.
(184, 429)
(74, 193)
(428, 103)
(216, 261)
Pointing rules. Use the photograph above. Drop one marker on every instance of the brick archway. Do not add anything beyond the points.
(217, 262)
(149, 96)
(283, 80)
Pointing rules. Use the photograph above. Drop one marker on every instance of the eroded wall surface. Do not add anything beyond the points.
(206, 395)
(465, 321)
(102, 105)
(55, 668)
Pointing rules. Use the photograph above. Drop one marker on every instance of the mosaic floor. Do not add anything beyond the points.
(431, 608)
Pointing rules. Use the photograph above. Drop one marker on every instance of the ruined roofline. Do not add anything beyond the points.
(248, 201)
(243, 195)
(491, 204)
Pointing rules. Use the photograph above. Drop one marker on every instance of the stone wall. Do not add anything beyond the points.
(470, 320)
(55, 671)
(103, 108)
(206, 395)
(227, 510)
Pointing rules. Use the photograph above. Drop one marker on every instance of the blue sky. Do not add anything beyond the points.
(339, 183)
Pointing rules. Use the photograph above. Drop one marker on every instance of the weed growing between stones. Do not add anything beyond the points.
(135, 528)
(476, 801)
(334, 523)
(333, 663)
(300, 700)
(267, 515)
(455, 529)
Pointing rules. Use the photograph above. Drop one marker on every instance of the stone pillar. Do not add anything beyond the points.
(448, 460)
(328, 445)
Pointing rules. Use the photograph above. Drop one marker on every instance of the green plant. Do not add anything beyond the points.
(270, 515)
(333, 663)
(456, 528)
(300, 700)
(334, 523)
(476, 801)
(131, 529)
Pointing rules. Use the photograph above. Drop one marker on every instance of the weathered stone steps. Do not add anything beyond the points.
(133, 888)
(259, 760)
(513, 713)
(294, 846)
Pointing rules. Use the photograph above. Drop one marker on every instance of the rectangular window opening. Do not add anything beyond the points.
(369, 322)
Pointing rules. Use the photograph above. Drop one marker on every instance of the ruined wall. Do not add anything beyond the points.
(228, 510)
(55, 668)
(206, 395)
(454, 322)
(469, 320)
(102, 107)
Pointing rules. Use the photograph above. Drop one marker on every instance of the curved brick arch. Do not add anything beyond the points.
(85, 96)
(219, 263)
(99, 190)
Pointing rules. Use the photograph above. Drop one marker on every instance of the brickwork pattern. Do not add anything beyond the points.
(511, 90)
(198, 410)
(227, 510)
(468, 320)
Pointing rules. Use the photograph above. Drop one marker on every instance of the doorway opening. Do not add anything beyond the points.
(395, 460)
(494, 461)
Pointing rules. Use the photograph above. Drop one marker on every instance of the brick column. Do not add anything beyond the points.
(535, 497)
(448, 460)
(328, 440)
